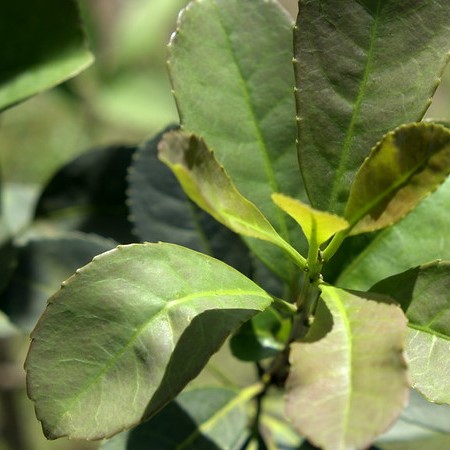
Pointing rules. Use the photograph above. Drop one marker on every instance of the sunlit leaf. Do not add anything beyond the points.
(206, 418)
(126, 333)
(232, 79)
(205, 181)
(401, 170)
(362, 69)
(318, 226)
(161, 211)
(361, 392)
(46, 49)
(422, 236)
(424, 295)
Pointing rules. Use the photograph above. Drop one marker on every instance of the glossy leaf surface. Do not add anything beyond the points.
(362, 68)
(424, 295)
(205, 181)
(400, 171)
(318, 226)
(126, 333)
(361, 392)
(46, 49)
(207, 419)
(161, 211)
(425, 230)
(232, 79)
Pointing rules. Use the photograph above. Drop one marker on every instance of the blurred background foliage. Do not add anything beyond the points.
(123, 98)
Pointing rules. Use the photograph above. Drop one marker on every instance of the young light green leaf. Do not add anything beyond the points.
(207, 418)
(424, 295)
(420, 237)
(362, 391)
(318, 226)
(126, 333)
(362, 68)
(46, 49)
(401, 170)
(205, 181)
(232, 79)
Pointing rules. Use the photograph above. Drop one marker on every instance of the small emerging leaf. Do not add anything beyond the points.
(361, 390)
(125, 334)
(408, 164)
(318, 226)
(205, 181)
(424, 295)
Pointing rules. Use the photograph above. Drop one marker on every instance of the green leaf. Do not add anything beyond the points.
(206, 418)
(422, 236)
(318, 226)
(362, 392)
(126, 333)
(47, 48)
(408, 164)
(161, 211)
(264, 336)
(205, 181)
(424, 295)
(362, 68)
(232, 79)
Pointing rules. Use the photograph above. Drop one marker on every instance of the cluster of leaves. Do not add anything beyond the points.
(346, 313)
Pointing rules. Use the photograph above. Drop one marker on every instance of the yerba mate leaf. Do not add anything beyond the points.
(420, 237)
(232, 80)
(161, 211)
(205, 181)
(362, 390)
(424, 295)
(401, 170)
(318, 226)
(46, 49)
(211, 418)
(362, 68)
(126, 333)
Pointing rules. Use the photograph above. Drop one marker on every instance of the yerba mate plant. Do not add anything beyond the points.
(339, 191)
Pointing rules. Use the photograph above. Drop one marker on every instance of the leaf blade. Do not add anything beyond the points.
(336, 366)
(359, 74)
(400, 171)
(142, 306)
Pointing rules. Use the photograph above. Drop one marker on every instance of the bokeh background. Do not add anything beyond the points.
(125, 98)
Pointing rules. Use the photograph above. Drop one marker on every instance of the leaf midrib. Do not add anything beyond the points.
(264, 150)
(345, 153)
(168, 305)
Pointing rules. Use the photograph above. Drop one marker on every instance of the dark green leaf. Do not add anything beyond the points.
(89, 194)
(126, 333)
(205, 181)
(232, 79)
(161, 211)
(362, 68)
(43, 263)
(362, 392)
(422, 236)
(424, 295)
(401, 170)
(201, 419)
(261, 337)
(41, 45)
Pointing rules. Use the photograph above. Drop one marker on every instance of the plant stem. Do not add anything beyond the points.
(334, 245)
